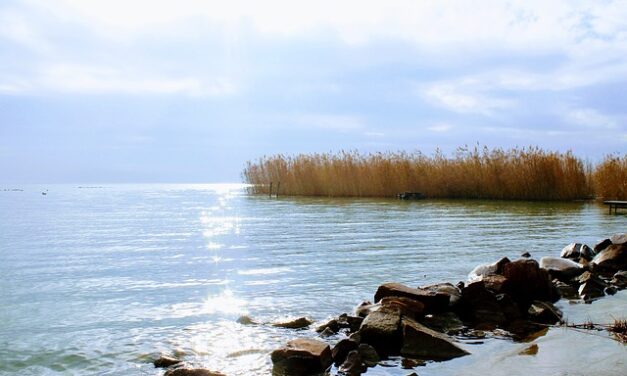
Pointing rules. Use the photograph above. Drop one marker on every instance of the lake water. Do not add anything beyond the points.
(97, 281)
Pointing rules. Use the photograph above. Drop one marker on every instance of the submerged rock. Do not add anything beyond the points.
(191, 372)
(302, 357)
(423, 343)
(299, 323)
(433, 301)
(165, 361)
(246, 320)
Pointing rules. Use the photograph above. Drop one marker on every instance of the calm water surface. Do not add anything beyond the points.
(97, 281)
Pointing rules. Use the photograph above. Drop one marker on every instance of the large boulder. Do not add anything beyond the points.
(529, 282)
(496, 283)
(381, 329)
(191, 372)
(302, 356)
(480, 306)
(561, 268)
(433, 301)
(575, 251)
(612, 258)
(421, 342)
(407, 307)
(488, 269)
(453, 292)
(342, 348)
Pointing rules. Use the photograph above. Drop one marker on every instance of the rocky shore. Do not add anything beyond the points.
(512, 297)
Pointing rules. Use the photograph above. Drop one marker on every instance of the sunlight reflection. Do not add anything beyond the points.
(225, 302)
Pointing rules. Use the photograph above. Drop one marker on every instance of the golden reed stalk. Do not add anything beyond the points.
(478, 173)
(610, 178)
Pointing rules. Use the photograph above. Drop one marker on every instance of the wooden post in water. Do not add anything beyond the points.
(278, 186)
(270, 193)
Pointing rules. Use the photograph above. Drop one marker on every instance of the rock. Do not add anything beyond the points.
(612, 258)
(302, 357)
(565, 290)
(610, 290)
(246, 320)
(381, 329)
(480, 306)
(407, 307)
(299, 323)
(561, 268)
(407, 363)
(526, 331)
(368, 355)
(544, 312)
(327, 332)
(432, 301)
(591, 289)
(483, 270)
(508, 306)
(496, 283)
(445, 322)
(529, 350)
(165, 361)
(529, 283)
(620, 279)
(342, 348)
(423, 343)
(352, 323)
(333, 325)
(575, 251)
(353, 365)
(365, 308)
(526, 255)
(454, 293)
(601, 246)
(191, 372)
(619, 239)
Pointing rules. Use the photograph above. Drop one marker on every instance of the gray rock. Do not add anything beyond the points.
(352, 323)
(246, 320)
(487, 269)
(302, 357)
(333, 325)
(575, 251)
(381, 329)
(327, 332)
(363, 309)
(619, 239)
(566, 291)
(342, 348)
(299, 323)
(561, 268)
(453, 292)
(612, 258)
(445, 322)
(544, 312)
(165, 361)
(423, 343)
(368, 355)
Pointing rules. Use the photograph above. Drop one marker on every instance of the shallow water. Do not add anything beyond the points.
(100, 280)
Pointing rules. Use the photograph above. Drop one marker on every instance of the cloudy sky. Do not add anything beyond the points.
(189, 90)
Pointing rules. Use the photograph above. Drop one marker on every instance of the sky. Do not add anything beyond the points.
(123, 91)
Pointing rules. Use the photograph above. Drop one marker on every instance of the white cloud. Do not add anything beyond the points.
(590, 118)
(336, 122)
(465, 96)
(443, 127)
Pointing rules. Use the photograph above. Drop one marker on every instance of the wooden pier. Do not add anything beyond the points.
(616, 205)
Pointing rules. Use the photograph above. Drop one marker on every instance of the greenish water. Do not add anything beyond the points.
(98, 281)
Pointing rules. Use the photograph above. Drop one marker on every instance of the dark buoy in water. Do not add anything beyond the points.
(44, 193)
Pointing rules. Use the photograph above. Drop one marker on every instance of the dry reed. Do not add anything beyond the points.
(610, 178)
(481, 173)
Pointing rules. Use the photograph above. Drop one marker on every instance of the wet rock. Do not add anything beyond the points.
(561, 268)
(363, 309)
(368, 355)
(381, 329)
(352, 323)
(432, 301)
(619, 239)
(488, 269)
(610, 290)
(529, 282)
(526, 255)
(601, 246)
(620, 279)
(565, 290)
(327, 332)
(454, 293)
(480, 305)
(299, 323)
(575, 251)
(445, 322)
(352, 365)
(423, 343)
(246, 320)
(508, 306)
(191, 372)
(407, 307)
(612, 258)
(544, 312)
(342, 348)
(165, 361)
(529, 350)
(591, 287)
(332, 325)
(526, 331)
(496, 283)
(302, 357)
(407, 363)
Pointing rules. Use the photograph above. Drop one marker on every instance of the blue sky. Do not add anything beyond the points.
(189, 90)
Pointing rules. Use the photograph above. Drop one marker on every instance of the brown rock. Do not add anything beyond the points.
(496, 283)
(165, 361)
(601, 246)
(299, 323)
(480, 305)
(544, 312)
(302, 357)
(352, 365)
(381, 329)
(529, 282)
(561, 268)
(445, 322)
(423, 343)
(575, 251)
(432, 301)
(368, 355)
(363, 309)
(612, 258)
(191, 372)
(619, 239)
(407, 307)
(342, 348)
(352, 323)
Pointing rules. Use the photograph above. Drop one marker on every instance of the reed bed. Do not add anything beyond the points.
(479, 173)
(610, 178)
